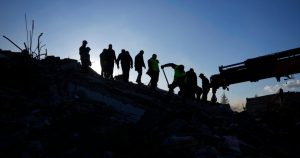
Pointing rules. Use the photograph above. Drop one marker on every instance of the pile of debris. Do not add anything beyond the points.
(50, 108)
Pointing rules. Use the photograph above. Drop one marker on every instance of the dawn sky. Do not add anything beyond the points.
(200, 34)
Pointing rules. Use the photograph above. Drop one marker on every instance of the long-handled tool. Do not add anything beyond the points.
(165, 76)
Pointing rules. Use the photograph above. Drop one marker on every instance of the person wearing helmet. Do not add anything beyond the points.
(139, 64)
(191, 86)
(179, 77)
(153, 71)
(205, 87)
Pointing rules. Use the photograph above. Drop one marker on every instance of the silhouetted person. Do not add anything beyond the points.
(179, 77)
(205, 87)
(84, 56)
(191, 86)
(111, 59)
(278, 98)
(104, 63)
(153, 71)
(139, 64)
(126, 64)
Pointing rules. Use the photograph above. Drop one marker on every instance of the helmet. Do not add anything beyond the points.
(154, 56)
(181, 67)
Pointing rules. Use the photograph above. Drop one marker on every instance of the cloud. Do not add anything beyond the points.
(291, 85)
(271, 89)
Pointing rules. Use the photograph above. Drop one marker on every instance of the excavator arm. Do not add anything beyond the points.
(280, 64)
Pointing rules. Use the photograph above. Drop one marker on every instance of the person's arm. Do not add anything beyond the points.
(143, 63)
(115, 57)
(149, 63)
(169, 65)
(131, 62)
(118, 59)
(135, 61)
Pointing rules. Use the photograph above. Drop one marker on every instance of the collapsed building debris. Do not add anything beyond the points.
(50, 108)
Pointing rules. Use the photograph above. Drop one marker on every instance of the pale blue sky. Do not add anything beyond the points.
(202, 34)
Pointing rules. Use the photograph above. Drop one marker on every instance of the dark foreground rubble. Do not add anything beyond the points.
(50, 108)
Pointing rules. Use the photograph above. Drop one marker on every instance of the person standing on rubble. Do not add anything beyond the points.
(85, 56)
(179, 77)
(205, 87)
(111, 60)
(139, 64)
(103, 63)
(153, 71)
(126, 64)
(191, 86)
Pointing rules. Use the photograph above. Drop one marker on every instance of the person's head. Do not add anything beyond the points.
(142, 52)
(84, 42)
(280, 91)
(88, 49)
(191, 70)
(127, 52)
(181, 68)
(110, 46)
(123, 51)
(154, 56)
(201, 75)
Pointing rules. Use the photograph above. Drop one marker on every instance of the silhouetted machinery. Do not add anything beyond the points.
(280, 64)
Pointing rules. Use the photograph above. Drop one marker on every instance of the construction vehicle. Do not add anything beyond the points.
(280, 64)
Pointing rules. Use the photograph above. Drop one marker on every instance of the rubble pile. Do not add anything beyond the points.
(50, 108)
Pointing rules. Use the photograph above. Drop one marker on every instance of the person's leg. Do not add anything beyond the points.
(125, 70)
(110, 71)
(138, 79)
(154, 80)
(198, 93)
(204, 95)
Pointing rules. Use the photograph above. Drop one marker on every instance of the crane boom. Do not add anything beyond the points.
(276, 65)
